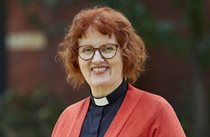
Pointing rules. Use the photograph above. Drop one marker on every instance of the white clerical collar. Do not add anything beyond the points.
(111, 98)
(101, 101)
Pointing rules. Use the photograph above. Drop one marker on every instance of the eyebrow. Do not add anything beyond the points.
(100, 45)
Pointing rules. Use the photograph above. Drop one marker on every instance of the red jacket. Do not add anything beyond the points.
(141, 114)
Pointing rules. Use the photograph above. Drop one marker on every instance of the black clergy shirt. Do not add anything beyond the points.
(102, 111)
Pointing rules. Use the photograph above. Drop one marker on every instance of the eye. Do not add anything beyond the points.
(87, 50)
(108, 48)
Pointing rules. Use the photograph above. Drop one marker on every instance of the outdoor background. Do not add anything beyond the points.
(33, 87)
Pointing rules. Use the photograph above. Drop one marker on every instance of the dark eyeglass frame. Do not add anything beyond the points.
(99, 50)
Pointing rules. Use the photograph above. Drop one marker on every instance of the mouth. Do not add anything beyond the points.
(99, 70)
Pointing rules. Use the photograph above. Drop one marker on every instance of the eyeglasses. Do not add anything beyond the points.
(107, 51)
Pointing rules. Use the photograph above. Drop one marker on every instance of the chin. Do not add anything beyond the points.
(100, 82)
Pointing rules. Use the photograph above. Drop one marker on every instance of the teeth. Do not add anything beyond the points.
(99, 69)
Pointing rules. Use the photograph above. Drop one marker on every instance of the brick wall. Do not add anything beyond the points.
(29, 67)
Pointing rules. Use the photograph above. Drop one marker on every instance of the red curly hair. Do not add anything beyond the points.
(106, 21)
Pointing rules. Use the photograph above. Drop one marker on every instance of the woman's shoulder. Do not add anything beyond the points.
(71, 115)
(73, 109)
(149, 99)
(155, 99)
(154, 112)
(152, 105)
(77, 106)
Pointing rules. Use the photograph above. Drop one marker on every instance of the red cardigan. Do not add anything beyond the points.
(141, 114)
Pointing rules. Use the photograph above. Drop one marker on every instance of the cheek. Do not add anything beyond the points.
(118, 66)
(83, 65)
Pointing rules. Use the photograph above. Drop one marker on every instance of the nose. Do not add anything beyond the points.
(97, 58)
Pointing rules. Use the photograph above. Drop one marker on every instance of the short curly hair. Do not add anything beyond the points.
(106, 21)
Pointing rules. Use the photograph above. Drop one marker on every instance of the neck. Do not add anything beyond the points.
(99, 91)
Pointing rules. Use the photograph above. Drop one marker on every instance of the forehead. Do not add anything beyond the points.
(94, 37)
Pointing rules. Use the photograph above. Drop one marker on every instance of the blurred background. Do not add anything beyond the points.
(33, 87)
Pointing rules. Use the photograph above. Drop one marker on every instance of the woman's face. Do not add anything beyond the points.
(98, 71)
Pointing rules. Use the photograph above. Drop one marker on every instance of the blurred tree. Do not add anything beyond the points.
(199, 57)
(3, 48)
(46, 22)
(29, 115)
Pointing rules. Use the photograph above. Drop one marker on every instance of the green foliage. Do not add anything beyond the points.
(49, 4)
(164, 32)
(32, 115)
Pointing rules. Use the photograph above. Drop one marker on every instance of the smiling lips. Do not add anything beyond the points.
(99, 70)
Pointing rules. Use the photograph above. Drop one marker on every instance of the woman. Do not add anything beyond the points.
(102, 49)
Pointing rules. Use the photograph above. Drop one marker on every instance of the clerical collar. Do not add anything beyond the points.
(111, 98)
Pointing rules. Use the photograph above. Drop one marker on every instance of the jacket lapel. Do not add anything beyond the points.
(124, 112)
(77, 125)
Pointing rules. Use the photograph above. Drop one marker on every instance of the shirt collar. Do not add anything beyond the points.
(111, 98)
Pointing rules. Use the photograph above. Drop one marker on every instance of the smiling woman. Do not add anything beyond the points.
(103, 49)
(106, 22)
(101, 73)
